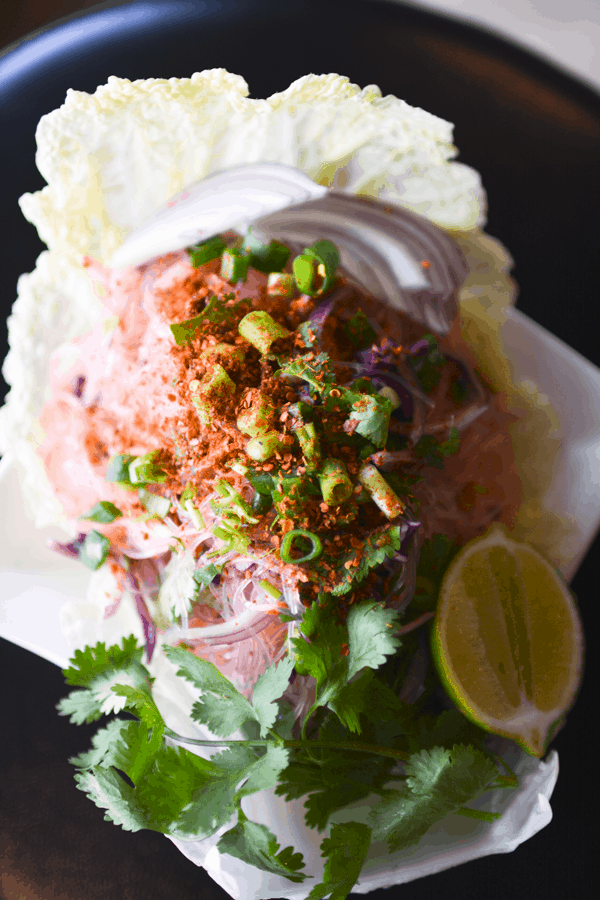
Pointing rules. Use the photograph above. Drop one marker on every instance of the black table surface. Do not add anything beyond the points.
(534, 134)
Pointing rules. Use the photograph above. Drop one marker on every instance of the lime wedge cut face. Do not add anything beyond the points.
(507, 639)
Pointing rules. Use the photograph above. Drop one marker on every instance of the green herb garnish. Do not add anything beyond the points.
(94, 550)
(266, 258)
(214, 312)
(103, 512)
(206, 250)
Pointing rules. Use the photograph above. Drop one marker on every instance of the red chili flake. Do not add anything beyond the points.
(344, 649)
(425, 263)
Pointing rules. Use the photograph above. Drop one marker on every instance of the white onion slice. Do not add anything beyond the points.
(382, 249)
(227, 200)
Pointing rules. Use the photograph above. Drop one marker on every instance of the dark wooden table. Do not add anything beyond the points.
(534, 134)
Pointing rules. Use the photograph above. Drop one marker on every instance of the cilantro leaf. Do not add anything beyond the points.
(97, 670)
(221, 707)
(235, 773)
(109, 791)
(268, 689)
(346, 850)
(370, 636)
(439, 782)
(359, 331)
(336, 779)
(160, 793)
(320, 649)
(256, 845)
(107, 746)
(312, 368)
(371, 413)
(207, 574)
(81, 707)
(449, 728)
(434, 452)
(124, 745)
(378, 546)
(428, 368)
(368, 642)
(142, 704)
(89, 663)
(103, 512)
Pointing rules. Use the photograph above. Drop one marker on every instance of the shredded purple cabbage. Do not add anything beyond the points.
(78, 386)
(70, 549)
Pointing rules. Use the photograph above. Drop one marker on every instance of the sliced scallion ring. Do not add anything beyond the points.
(290, 537)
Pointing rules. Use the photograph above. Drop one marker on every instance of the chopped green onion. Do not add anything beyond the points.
(264, 446)
(94, 550)
(235, 539)
(215, 312)
(103, 512)
(266, 257)
(197, 519)
(260, 329)
(302, 411)
(306, 269)
(118, 469)
(234, 501)
(281, 284)
(380, 491)
(390, 394)
(206, 250)
(286, 546)
(270, 589)
(189, 493)
(258, 419)
(204, 393)
(335, 482)
(310, 445)
(234, 265)
(144, 470)
(322, 258)
(235, 354)
(155, 504)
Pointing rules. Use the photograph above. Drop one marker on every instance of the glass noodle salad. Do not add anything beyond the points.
(258, 433)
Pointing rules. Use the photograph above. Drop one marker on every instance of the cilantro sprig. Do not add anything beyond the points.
(134, 774)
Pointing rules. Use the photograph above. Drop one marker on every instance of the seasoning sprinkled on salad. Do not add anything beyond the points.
(311, 442)
(285, 458)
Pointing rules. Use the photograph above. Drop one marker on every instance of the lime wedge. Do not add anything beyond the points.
(507, 639)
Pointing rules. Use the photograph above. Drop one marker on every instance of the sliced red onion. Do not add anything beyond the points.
(134, 587)
(70, 549)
